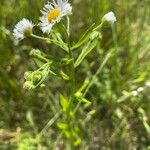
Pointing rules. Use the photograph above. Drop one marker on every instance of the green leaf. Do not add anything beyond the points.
(58, 43)
(84, 85)
(59, 73)
(86, 50)
(84, 38)
(77, 142)
(41, 56)
(66, 61)
(62, 126)
(29, 117)
(79, 96)
(36, 53)
(64, 103)
(38, 62)
(64, 76)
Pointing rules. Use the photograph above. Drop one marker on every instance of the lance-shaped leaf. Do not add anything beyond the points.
(41, 58)
(94, 37)
(62, 126)
(59, 73)
(58, 43)
(37, 54)
(84, 38)
(64, 102)
(80, 97)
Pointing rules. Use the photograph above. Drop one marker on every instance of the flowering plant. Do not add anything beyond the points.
(52, 13)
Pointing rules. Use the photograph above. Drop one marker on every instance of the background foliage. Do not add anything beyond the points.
(116, 119)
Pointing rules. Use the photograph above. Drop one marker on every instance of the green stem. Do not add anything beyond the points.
(72, 69)
(39, 37)
(71, 86)
(58, 43)
(99, 26)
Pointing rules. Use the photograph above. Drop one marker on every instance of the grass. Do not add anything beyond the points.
(116, 119)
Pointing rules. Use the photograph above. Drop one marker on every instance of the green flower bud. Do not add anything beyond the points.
(110, 18)
(28, 75)
(35, 52)
(29, 85)
(37, 76)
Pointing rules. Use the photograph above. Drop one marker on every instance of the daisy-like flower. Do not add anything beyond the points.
(23, 29)
(134, 93)
(53, 13)
(140, 89)
(147, 84)
(110, 17)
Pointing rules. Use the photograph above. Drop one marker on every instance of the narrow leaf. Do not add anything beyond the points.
(86, 50)
(63, 103)
(84, 38)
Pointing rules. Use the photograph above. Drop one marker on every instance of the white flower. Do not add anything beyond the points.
(53, 12)
(147, 84)
(140, 89)
(23, 29)
(134, 93)
(110, 17)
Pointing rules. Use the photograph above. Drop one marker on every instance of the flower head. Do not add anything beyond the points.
(110, 17)
(53, 12)
(23, 29)
(140, 89)
(147, 84)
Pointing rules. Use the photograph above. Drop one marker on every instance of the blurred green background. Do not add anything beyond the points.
(121, 121)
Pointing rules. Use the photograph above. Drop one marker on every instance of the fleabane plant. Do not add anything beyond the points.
(53, 13)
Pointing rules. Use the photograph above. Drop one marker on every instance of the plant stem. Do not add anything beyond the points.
(39, 37)
(48, 40)
(71, 86)
(72, 69)
(98, 27)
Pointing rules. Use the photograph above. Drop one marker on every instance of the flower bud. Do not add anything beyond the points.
(36, 77)
(35, 52)
(29, 85)
(109, 17)
(27, 75)
(147, 84)
(23, 29)
(140, 89)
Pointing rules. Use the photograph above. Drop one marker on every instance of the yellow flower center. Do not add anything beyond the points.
(53, 14)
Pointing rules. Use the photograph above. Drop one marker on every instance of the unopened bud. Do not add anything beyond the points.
(29, 85)
(109, 17)
(37, 76)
